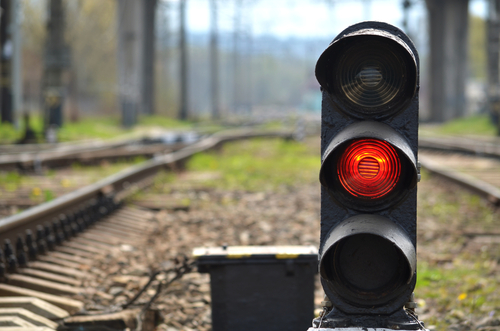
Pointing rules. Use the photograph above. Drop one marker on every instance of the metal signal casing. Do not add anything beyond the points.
(389, 222)
(372, 130)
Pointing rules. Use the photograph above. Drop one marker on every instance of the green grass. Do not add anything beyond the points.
(454, 283)
(459, 280)
(473, 125)
(91, 127)
(11, 180)
(273, 125)
(163, 121)
(104, 169)
(48, 195)
(463, 292)
(457, 276)
(109, 127)
(162, 182)
(106, 127)
(459, 209)
(8, 133)
(258, 165)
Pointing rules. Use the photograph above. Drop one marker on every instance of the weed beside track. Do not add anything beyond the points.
(458, 236)
(458, 258)
(20, 191)
(266, 192)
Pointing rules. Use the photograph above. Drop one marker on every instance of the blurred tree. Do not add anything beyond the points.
(6, 47)
(276, 80)
(56, 62)
(91, 34)
(477, 48)
(166, 81)
(184, 64)
(275, 83)
(34, 32)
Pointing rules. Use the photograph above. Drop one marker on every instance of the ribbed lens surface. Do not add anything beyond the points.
(371, 75)
(369, 168)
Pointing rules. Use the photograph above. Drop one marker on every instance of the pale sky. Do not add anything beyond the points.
(303, 18)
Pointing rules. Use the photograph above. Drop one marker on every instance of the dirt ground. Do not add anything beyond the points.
(458, 286)
(458, 249)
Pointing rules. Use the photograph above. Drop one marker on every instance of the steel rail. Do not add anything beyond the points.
(485, 190)
(82, 145)
(114, 184)
(80, 152)
(461, 145)
(34, 148)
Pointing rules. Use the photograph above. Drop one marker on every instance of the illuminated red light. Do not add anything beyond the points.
(369, 168)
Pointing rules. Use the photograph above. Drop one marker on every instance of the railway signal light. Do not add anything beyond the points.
(369, 77)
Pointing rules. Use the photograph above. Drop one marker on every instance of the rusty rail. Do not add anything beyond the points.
(461, 145)
(66, 154)
(90, 198)
(485, 190)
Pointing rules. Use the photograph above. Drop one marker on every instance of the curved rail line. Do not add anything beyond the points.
(55, 155)
(115, 187)
(469, 163)
(487, 148)
(55, 274)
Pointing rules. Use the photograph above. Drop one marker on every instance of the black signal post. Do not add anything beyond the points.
(369, 77)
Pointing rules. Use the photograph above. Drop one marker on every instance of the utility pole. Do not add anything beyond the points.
(130, 59)
(406, 13)
(148, 86)
(242, 58)
(493, 55)
(214, 61)
(183, 111)
(17, 58)
(56, 61)
(236, 56)
(6, 62)
(448, 26)
(136, 48)
(248, 72)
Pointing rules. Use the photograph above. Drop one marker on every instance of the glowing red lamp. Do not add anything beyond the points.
(369, 168)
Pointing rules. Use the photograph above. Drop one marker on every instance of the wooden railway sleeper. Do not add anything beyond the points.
(49, 236)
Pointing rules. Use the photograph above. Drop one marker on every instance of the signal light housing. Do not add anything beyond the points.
(367, 263)
(369, 74)
(347, 160)
(369, 140)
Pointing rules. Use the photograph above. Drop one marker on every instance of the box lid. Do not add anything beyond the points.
(253, 254)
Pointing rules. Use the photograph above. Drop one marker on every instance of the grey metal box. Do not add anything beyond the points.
(263, 288)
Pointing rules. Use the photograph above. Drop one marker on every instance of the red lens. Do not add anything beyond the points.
(369, 168)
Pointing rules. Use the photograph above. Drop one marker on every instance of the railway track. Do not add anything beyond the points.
(56, 252)
(472, 164)
(482, 147)
(35, 157)
(80, 262)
